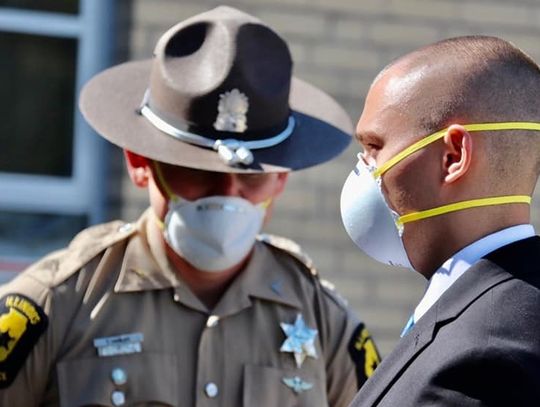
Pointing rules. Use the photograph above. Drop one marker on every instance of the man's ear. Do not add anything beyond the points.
(457, 153)
(138, 168)
(282, 181)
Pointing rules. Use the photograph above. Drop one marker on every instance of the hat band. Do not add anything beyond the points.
(231, 151)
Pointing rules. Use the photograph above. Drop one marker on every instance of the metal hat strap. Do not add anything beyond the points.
(231, 151)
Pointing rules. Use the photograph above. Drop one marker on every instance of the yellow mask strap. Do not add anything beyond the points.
(173, 197)
(440, 134)
(265, 204)
(473, 203)
(170, 194)
(159, 222)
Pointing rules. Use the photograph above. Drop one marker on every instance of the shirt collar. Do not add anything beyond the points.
(265, 278)
(460, 262)
(146, 267)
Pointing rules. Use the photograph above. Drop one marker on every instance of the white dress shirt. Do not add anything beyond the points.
(460, 262)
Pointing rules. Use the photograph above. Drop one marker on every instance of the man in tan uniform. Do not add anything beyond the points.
(189, 306)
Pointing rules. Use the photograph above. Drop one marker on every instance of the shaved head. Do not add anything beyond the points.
(446, 85)
(475, 79)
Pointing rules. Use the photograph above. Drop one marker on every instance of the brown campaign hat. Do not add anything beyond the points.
(218, 95)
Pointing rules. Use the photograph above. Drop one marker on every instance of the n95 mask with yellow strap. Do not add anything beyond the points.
(213, 233)
(376, 228)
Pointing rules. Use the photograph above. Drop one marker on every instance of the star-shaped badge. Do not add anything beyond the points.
(300, 340)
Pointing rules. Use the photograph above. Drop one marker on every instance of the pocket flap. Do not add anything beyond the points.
(84, 382)
(271, 387)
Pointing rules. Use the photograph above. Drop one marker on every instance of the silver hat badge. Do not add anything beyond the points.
(232, 110)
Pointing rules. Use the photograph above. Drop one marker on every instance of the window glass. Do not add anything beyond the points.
(37, 78)
(24, 235)
(59, 6)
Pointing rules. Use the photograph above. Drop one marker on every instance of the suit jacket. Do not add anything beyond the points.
(478, 345)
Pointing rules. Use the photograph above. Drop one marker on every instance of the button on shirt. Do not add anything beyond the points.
(186, 354)
(460, 262)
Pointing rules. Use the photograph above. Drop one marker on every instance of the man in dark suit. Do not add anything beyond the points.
(451, 158)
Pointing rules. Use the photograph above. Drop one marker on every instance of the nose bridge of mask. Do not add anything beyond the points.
(457, 206)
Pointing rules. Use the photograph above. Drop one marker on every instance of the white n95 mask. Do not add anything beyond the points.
(369, 221)
(375, 228)
(213, 233)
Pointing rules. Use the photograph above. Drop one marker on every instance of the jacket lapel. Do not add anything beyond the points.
(393, 365)
(482, 276)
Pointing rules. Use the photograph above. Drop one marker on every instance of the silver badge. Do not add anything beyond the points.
(296, 384)
(119, 345)
(232, 109)
(300, 340)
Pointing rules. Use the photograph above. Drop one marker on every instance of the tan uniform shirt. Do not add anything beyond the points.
(124, 330)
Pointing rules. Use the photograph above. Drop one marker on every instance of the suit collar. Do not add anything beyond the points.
(519, 258)
(510, 261)
(501, 265)
(461, 261)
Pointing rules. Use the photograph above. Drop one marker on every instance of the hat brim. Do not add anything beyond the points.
(110, 103)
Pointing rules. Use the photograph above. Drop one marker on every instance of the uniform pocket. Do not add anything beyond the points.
(142, 379)
(267, 387)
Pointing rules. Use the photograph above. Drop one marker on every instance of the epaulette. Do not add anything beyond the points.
(331, 291)
(62, 264)
(292, 248)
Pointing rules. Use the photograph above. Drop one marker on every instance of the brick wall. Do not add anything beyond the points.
(340, 45)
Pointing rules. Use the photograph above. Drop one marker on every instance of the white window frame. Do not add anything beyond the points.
(83, 193)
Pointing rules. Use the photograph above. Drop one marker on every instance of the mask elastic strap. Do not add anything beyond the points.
(173, 197)
(458, 206)
(159, 222)
(266, 203)
(170, 194)
(440, 134)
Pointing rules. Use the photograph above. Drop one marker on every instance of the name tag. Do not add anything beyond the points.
(119, 345)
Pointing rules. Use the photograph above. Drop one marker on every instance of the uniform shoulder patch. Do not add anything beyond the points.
(364, 353)
(291, 247)
(22, 322)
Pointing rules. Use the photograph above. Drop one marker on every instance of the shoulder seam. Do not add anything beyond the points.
(293, 249)
(77, 255)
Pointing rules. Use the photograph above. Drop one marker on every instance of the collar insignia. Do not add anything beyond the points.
(300, 340)
(277, 287)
